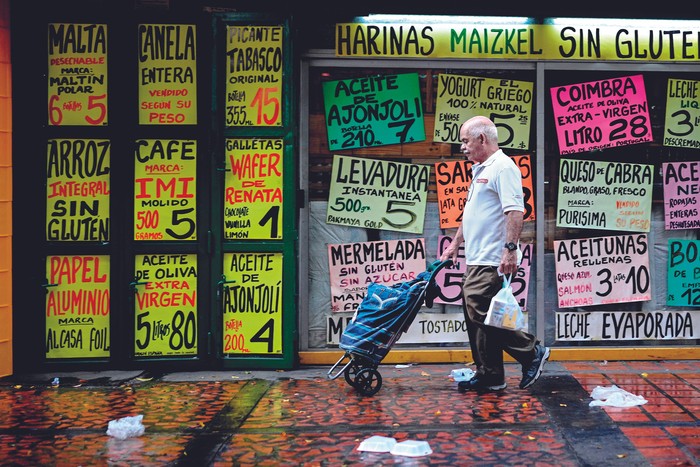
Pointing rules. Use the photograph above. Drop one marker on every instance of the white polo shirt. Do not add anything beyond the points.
(495, 189)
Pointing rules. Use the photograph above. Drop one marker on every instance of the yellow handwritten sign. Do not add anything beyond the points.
(166, 305)
(77, 192)
(167, 74)
(252, 301)
(165, 188)
(77, 74)
(254, 65)
(77, 307)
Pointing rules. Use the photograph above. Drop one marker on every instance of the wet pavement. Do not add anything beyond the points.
(303, 417)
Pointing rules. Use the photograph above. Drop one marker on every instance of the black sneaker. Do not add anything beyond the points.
(479, 383)
(533, 372)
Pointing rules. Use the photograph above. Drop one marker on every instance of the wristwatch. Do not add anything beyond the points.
(511, 246)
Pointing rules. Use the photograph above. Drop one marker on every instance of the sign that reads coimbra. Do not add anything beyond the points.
(251, 290)
(683, 273)
(507, 102)
(77, 74)
(165, 190)
(605, 195)
(602, 270)
(601, 114)
(254, 74)
(378, 194)
(253, 199)
(682, 125)
(681, 195)
(353, 266)
(166, 305)
(167, 74)
(373, 111)
(627, 325)
(77, 307)
(77, 190)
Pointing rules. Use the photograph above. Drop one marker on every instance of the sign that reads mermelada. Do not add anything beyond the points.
(681, 194)
(373, 111)
(605, 195)
(627, 325)
(78, 307)
(254, 196)
(251, 291)
(682, 124)
(353, 266)
(77, 74)
(601, 114)
(452, 179)
(166, 305)
(254, 75)
(78, 190)
(377, 194)
(602, 270)
(507, 102)
(165, 190)
(683, 273)
(167, 74)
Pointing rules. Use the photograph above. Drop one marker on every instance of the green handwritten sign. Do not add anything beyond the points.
(682, 125)
(683, 272)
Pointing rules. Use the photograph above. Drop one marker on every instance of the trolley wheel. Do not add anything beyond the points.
(368, 381)
(350, 373)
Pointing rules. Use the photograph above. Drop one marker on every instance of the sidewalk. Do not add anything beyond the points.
(301, 417)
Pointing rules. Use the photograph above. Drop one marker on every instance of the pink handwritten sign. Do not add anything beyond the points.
(681, 195)
(601, 114)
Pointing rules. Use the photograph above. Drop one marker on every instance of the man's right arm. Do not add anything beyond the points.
(452, 249)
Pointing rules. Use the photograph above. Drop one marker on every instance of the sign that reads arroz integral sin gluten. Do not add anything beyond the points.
(602, 270)
(165, 190)
(681, 195)
(601, 114)
(683, 273)
(373, 111)
(605, 195)
(376, 194)
(77, 190)
(254, 65)
(682, 125)
(77, 307)
(507, 102)
(167, 74)
(77, 74)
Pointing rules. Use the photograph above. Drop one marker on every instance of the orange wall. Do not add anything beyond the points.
(5, 192)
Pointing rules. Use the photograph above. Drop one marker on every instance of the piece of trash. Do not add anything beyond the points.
(55, 383)
(403, 365)
(613, 396)
(411, 448)
(377, 444)
(463, 374)
(127, 427)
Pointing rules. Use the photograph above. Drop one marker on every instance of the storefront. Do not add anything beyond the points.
(219, 187)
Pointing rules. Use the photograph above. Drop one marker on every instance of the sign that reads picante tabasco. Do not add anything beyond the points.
(77, 190)
(682, 125)
(373, 111)
(254, 196)
(165, 190)
(601, 114)
(167, 74)
(254, 75)
(77, 74)
(77, 307)
(681, 182)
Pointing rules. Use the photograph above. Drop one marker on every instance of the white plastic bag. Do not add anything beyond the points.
(504, 310)
(126, 427)
(613, 396)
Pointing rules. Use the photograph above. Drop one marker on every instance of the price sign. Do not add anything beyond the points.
(681, 195)
(251, 291)
(682, 125)
(683, 273)
(77, 74)
(506, 102)
(254, 65)
(166, 305)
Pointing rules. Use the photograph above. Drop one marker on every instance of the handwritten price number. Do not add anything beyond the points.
(236, 342)
(639, 278)
(451, 129)
(56, 112)
(272, 216)
(151, 219)
(683, 121)
(391, 209)
(178, 338)
(361, 138)
(262, 100)
(342, 204)
(236, 115)
(637, 126)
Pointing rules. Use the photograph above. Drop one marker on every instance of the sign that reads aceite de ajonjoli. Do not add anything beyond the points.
(373, 111)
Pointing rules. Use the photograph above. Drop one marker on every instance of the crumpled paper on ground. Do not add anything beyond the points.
(126, 427)
(613, 396)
